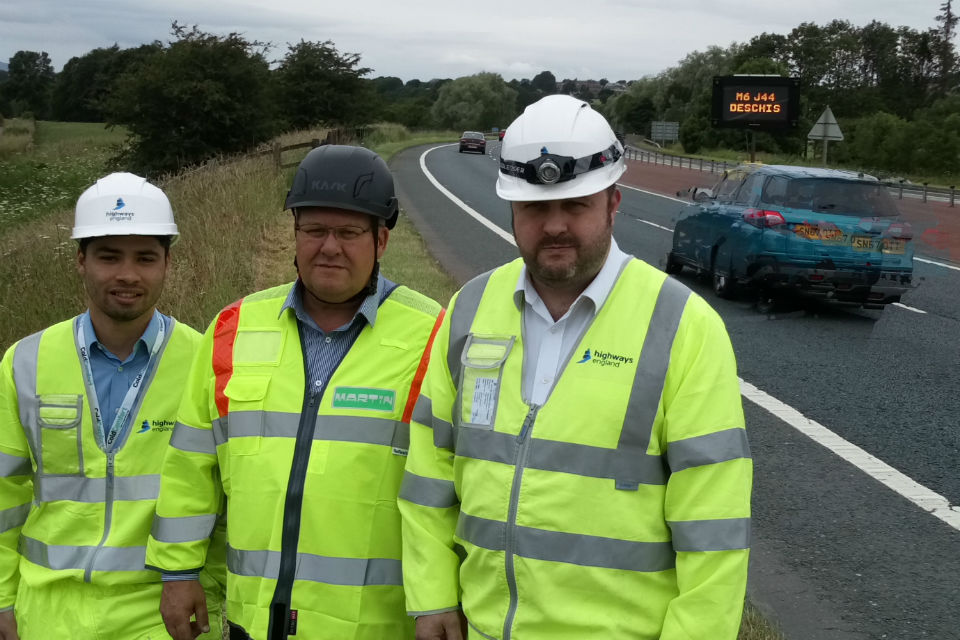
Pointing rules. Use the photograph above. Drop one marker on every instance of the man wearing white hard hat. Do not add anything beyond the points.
(578, 464)
(87, 407)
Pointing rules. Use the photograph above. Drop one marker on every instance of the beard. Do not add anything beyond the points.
(575, 270)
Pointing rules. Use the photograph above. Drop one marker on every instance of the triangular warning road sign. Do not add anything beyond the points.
(826, 127)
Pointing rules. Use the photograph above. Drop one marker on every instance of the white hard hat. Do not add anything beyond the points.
(559, 147)
(122, 204)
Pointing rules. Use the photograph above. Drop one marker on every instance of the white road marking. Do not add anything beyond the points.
(933, 503)
(654, 224)
(934, 262)
(903, 306)
(651, 193)
(457, 201)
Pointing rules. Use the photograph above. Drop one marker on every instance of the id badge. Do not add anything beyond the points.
(483, 358)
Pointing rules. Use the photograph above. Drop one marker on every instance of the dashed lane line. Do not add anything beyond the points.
(914, 309)
(928, 500)
(651, 193)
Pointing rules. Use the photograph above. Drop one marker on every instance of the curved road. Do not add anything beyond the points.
(845, 544)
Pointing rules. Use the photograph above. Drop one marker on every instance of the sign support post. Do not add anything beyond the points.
(826, 129)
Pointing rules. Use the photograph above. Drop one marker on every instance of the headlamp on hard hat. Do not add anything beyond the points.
(551, 169)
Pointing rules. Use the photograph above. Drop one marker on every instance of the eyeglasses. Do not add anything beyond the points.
(347, 233)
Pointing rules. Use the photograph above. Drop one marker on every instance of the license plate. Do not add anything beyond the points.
(826, 235)
(862, 243)
(894, 245)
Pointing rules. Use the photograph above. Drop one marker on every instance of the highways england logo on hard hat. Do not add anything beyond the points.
(120, 213)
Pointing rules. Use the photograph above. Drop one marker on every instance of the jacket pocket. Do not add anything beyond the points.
(478, 393)
(246, 418)
(59, 416)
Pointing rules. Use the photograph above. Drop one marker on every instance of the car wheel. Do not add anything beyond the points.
(723, 285)
(461, 150)
(673, 266)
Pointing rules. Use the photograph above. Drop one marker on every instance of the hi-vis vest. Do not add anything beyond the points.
(73, 511)
(617, 509)
(311, 480)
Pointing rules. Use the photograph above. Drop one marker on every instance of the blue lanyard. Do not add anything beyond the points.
(109, 437)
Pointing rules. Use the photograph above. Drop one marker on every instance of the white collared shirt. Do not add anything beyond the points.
(547, 345)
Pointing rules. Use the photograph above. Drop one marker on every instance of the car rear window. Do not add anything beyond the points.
(472, 134)
(824, 195)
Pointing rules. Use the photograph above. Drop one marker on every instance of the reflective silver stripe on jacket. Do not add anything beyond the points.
(710, 448)
(25, 378)
(14, 517)
(61, 557)
(566, 457)
(571, 548)
(443, 433)
(649, 380)
(187, 438)
(711, 535)
(48, 488)
(185, 529)
(13, 466)
(429, 492)
(461, 319)
(354, 572)
(279, 424)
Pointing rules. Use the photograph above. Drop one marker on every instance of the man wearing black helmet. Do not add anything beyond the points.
(296, 415)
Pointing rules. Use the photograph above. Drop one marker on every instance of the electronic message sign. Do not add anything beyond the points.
(755, 102)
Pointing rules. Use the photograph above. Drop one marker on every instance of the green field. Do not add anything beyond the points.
(46, 165)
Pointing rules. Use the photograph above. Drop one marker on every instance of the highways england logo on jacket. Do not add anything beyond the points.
(156, 426)
(604, 358)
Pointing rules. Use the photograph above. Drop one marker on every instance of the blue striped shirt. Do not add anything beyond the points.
(325, 350)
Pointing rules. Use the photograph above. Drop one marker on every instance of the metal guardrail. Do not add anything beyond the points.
(899, 188)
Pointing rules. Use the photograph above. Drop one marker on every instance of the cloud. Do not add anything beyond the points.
(615, 39)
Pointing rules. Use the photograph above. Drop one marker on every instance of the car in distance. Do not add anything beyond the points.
(502, 131)
(825, 233)
(473, 141)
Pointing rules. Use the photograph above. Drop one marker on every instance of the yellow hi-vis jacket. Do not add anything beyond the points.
(313, 529)
(69, 511)
(617, 509)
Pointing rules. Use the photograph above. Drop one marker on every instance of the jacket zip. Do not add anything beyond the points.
(523, 451)
(279, 623)
(107, 518)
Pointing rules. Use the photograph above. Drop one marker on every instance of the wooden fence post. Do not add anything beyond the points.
(276, 155)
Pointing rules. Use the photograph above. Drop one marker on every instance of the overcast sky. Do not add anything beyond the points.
(593, 39)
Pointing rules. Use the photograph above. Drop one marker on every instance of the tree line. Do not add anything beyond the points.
(895, 91)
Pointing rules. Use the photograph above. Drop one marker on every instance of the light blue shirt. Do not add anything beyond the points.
(112, 377)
